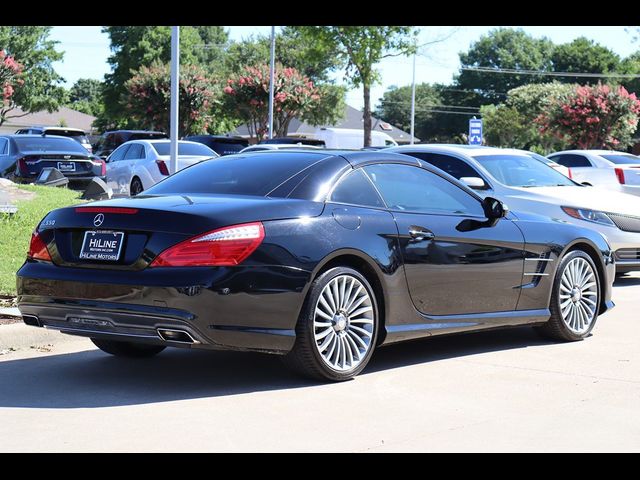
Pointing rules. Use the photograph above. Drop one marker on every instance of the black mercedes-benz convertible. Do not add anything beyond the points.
(319, 256)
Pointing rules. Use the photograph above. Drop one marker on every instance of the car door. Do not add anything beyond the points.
(116, 171)
(455, 260)
(582, 169)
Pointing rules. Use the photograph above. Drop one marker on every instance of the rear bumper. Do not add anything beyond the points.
(74, 181)
(226, 308)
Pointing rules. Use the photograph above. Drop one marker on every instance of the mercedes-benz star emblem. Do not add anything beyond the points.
(98, 220)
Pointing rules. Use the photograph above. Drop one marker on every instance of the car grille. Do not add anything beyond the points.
(628, 254)
(625, 222)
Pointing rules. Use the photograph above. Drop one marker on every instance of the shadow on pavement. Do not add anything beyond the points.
(91, 379)
(626, 281)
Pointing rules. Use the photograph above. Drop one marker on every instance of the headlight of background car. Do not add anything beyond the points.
(589, 215)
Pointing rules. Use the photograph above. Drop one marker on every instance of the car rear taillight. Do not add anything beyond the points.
(120, 210)
(162, 167)
(25, 162)
(620, 175)
(37, 248)
(570, 174)
(102, 164)
(226, 246)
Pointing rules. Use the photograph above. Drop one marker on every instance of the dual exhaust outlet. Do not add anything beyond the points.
(166, 334)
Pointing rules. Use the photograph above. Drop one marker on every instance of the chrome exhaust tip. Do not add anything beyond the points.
(177, 336)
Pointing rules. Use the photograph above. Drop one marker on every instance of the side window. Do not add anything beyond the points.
(413, 189)
(135, 152)
(571, 160)
(119, 153)
(356, 189)
(4, 146)
(453, 166)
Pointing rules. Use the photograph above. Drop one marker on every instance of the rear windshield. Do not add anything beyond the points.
(237, 175)
(522, 171)
(184, 149)
(77, 136)
(147, 136)
(43, 144)
(622, 159)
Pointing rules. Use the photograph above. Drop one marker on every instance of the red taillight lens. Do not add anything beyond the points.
(38, 249)
(162, 167)
(103, 166)
(570, 175)
(620, 175)
(226, 246)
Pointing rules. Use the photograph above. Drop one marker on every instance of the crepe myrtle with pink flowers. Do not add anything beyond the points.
(593, 116)
(247, 95)
(10, 76)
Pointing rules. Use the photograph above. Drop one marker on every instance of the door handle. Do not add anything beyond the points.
(420, 233)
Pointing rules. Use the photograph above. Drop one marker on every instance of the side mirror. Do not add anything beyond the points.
(474, 182)
(494, 208)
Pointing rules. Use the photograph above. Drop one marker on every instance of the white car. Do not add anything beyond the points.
(528, 185)
(261, 147)
(602, 168)
(138, 164)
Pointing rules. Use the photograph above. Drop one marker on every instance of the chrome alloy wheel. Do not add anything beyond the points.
(578, 295)
(343, 323)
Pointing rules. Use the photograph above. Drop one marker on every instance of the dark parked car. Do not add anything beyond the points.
(319, 257)
(22, 157)
(294, 140)
(220, 144)
(109, 141)
(77, 134)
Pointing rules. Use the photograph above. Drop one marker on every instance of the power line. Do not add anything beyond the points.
(434, 106)
(550, 74)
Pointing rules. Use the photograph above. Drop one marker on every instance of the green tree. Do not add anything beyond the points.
(599, 116)
(86, 96)
(247, 94)
(585, 56)
(134, 47)
(302, 53)
(31, 47)
(505, 126)
(504, 48)
(514, 123)
(359, 48)
(149, 94)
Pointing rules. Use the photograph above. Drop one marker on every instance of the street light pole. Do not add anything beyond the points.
(271, 79)
(413, 99)
(175, 98)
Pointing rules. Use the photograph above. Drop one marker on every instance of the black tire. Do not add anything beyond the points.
(136, 187)
(305, 357)
(127, 349)
(556, 328)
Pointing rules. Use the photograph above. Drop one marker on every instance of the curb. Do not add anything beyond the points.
(15, 336)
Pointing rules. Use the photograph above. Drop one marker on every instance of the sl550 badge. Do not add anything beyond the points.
(48, 223)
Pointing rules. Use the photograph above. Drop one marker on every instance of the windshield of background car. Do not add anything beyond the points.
(43, 144)
(622, 159)
(255, 174)
(522, 171)
(185, 149)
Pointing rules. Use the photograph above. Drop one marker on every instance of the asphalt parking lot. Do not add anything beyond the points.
(492, 391)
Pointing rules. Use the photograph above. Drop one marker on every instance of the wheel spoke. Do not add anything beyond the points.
(326, 294)
(332, 343)
(359, 312)
(342, 289)
(336, 296)
(360, 330)
(327, 341)
(324, 315)
(356, 338)
(353, 347)
(347, 348)
(352, 299)
(324, 333)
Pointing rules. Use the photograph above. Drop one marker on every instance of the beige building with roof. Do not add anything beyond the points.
(64, 115)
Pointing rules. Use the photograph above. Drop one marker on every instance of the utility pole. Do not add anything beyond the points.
(413, 99)
(271, 75)
(175, 98)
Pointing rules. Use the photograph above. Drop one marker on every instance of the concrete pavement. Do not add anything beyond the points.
(492, 391)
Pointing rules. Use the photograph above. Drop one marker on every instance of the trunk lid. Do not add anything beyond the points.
(151, 224)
